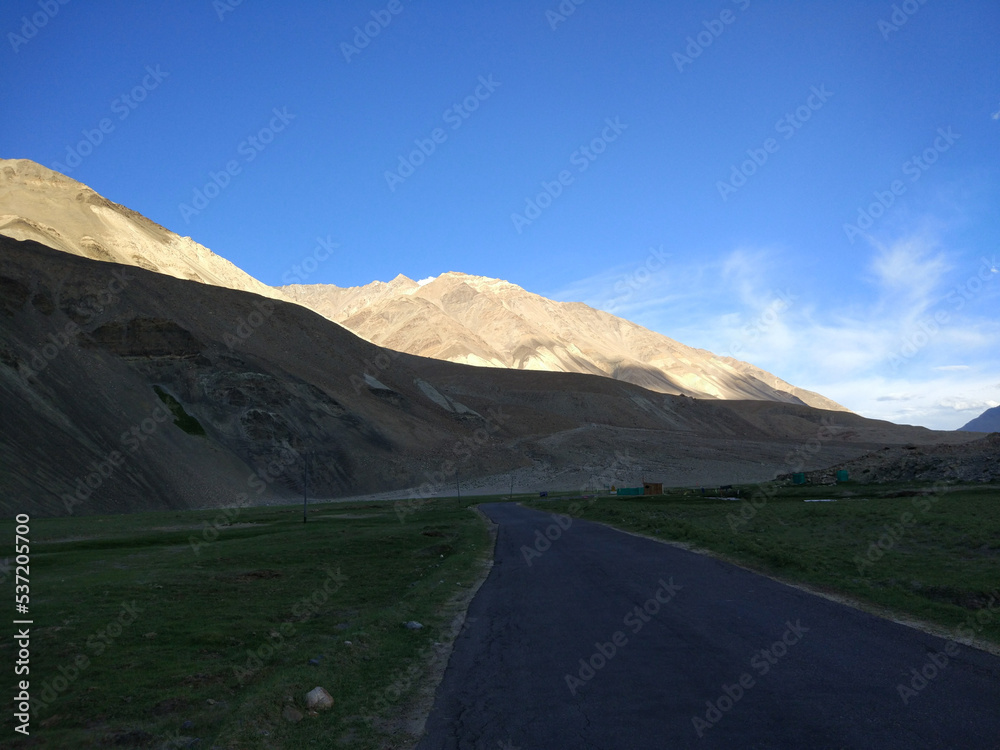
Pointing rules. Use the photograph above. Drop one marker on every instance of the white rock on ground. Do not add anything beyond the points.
(318, 698)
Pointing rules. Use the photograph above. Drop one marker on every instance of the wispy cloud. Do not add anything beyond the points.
(908, 272)
(746, 270)
(945, 403)
(887, 352)
(957, 404)
(632, 289)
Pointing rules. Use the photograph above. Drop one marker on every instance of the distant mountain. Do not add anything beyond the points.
(493, 323)
(988, 421)
(455, 317)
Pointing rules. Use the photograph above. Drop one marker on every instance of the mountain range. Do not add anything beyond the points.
(493, 323)
(140, 370)
(456, 317)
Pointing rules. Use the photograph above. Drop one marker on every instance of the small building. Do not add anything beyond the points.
(652, 488)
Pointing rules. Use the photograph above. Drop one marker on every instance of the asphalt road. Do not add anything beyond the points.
(714, 657)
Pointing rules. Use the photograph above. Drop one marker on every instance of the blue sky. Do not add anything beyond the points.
(718, 171)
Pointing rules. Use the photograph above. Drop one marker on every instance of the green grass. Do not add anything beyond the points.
(182, 419)
(185, 656)
(942, 565)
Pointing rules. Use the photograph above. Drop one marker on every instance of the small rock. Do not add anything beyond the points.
(149, 635)
(413, 625)
(292, 714)
(187, 724)
(318, 698)
(348, 643)
(314, 662)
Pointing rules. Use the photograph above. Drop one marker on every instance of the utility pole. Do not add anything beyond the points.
(512, 486)
(458, 487)
(305, 488)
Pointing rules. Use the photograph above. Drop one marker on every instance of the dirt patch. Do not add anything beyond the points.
(67, 539)
(437, 550)
(200, 679)
(257, 575)
(130, 738)
(199, 526)
(170, 706)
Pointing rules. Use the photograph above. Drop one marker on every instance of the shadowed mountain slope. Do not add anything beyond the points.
(988, 421)
(125, 389)
(976, 461)
(455, 317)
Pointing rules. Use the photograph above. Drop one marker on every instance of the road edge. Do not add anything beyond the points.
(416, 711)
(885, 613)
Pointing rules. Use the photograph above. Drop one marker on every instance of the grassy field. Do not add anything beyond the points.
(918, 550)
(159, 629)
(154, 629)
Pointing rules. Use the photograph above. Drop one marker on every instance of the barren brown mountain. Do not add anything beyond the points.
(138, 370)
(126, 389)
(39, 204)
(978, 461)
(456, 317)
(489, 322)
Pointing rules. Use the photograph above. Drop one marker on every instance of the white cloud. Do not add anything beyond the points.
(908, 272)
(959, 405)
(945, 402)
(649, 283)
(428, 280)
(745, 269)
(879, 352)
